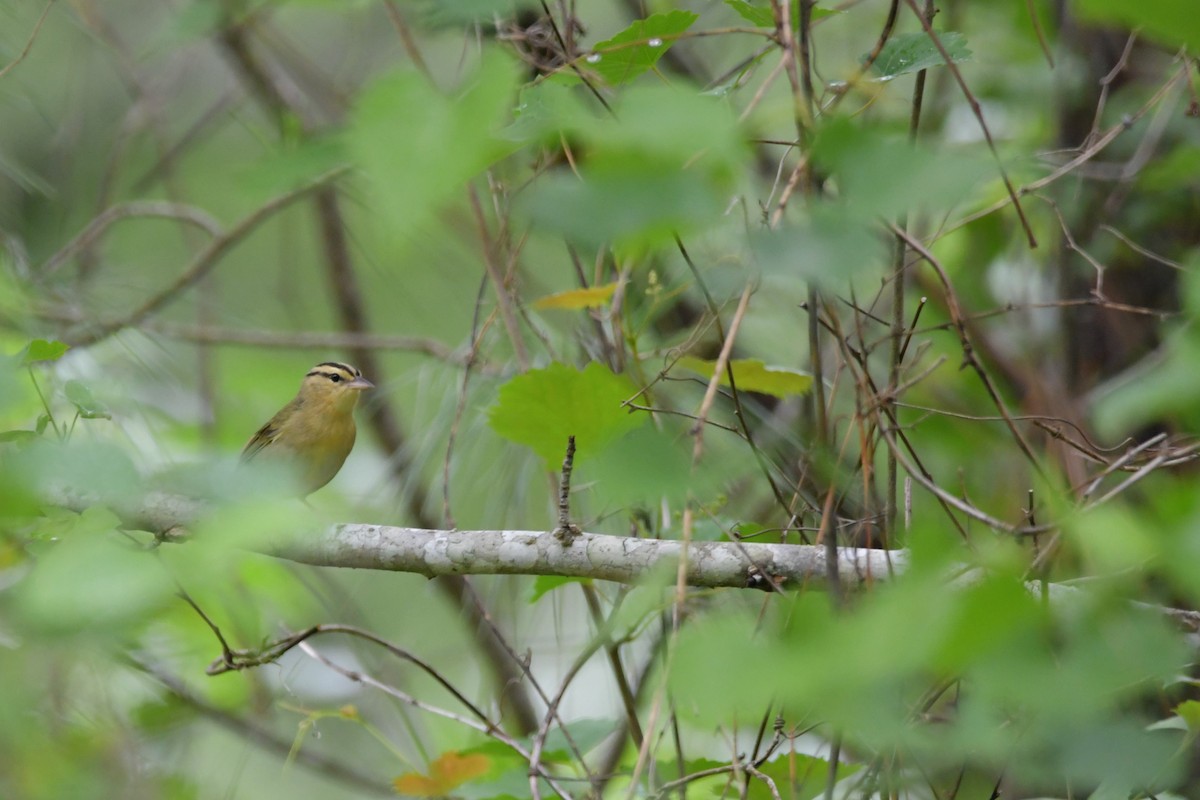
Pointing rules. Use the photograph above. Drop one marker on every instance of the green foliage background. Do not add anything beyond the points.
(484, 174)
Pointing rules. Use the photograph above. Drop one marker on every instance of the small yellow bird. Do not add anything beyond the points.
(315, 431)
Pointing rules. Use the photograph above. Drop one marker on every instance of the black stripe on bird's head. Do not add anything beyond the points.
(336, 376)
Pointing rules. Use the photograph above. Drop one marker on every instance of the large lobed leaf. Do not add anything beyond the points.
(543, 407)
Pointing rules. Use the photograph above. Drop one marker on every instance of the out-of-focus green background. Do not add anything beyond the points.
(467, 161)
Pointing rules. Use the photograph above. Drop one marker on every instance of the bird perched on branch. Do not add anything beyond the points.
(315, 432)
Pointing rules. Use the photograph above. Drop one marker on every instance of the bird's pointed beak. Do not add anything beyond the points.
(360, 383)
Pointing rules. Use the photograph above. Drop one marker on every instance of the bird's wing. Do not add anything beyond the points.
(267, 433)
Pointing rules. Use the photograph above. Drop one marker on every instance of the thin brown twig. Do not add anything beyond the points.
(1106, 85)
(29, 42)
(170, 154)
(612, 650)
(461, 406)
(1124, 459)
(969, 357)
(572, 62)
(150, 110)
(202, 263)
(285, 340)
(1088, 153)
(406, 37)
(1039, 32)
(552, 714)
(1142, 251)
(657, 410)
(739, 412)
(485, 728)
(237, 660)
(899, 344)
(861, 71)
(504, 299)
(1069, 239)
(249, 730)
(978, 111)
(137, 209)
(892, 425)
(718, 372)
(921, 477)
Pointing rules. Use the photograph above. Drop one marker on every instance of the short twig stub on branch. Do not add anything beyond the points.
(566, 530)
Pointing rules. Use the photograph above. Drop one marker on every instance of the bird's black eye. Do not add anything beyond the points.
(335, 378)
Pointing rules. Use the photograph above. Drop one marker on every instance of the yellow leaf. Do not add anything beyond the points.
(752, 375)
(447, 772)
(1189, 711)
(415, 785)
(451, 769)
(592, 297)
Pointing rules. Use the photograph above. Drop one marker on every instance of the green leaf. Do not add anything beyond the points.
(544, 584)
(1189, 711)
(541, 408)
(879, 172)
(512, 784)
(834, 244)
(653, 594)
(293, 164)
(85, 402)
(195, 21)
(1114, 536)
(753, 375)
(547, 111)
(1121, 754)
(19, 495)
(91, 580)
(42, 350)
(803, 776)
(587, 734)
(1172, 22)
(418, 147)
(755, 15)
(986, 617)
(1187, 718)
(635, 49)
(441, 14)
(764, 18)
(1169, 388)
(673, 125)
(17, 436)
(912, 52)
(99, 468)
(712, 649)
(665, 163)
(632, 202)
(1177, 169)
(649, 465)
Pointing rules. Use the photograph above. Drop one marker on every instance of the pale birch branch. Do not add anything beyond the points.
(589, 555)
(622, 559)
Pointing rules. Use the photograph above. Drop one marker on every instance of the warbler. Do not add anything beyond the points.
(315, 432)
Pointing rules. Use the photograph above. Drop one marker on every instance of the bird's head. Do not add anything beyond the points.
(335, 384)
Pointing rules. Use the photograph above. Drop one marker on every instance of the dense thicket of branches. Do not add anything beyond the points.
(871, 322)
